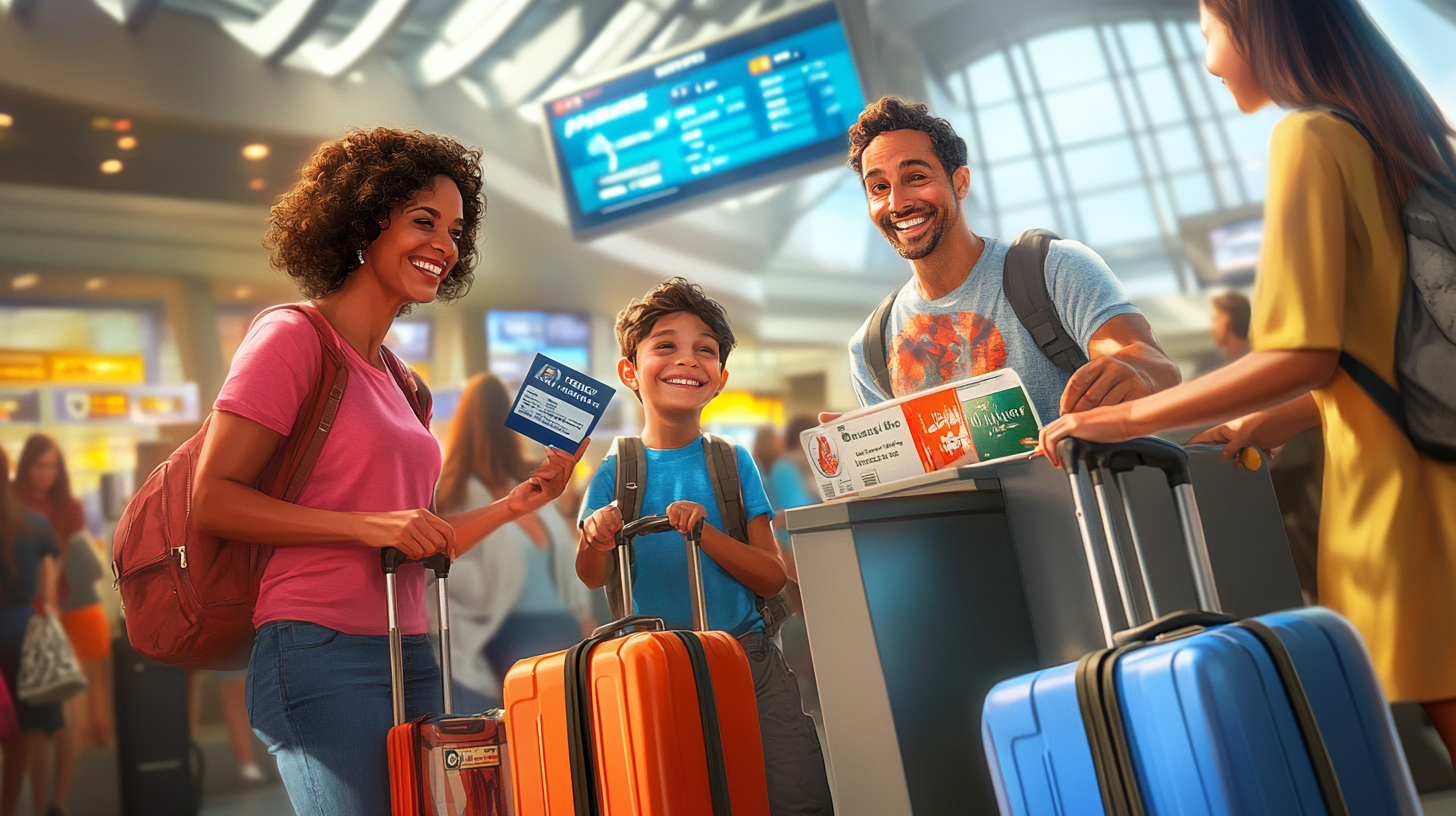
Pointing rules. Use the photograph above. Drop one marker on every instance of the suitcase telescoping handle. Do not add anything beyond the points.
(660, 524)
(1119, 459)
(389, 560)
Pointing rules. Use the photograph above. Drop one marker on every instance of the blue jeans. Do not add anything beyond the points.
(320, 700)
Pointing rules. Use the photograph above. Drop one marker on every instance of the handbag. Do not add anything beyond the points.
(49, 671)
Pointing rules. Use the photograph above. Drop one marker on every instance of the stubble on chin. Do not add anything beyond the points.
(909, 253)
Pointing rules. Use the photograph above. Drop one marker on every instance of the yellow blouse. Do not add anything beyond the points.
(1331, 274)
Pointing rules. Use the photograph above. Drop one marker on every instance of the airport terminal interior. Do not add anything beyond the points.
(622, 143)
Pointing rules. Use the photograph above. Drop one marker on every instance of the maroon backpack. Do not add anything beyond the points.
(189, 597)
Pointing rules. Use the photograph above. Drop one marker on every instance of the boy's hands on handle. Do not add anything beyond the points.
(685, 516)
(601, 527)
(547, 483)
(415, 533)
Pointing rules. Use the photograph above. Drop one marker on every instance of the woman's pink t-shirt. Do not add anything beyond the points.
(378, 458)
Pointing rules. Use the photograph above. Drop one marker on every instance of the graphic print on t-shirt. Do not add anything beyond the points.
(931, 349)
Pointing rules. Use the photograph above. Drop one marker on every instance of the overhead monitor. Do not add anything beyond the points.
(1223, 247)
(512, 340)
(710, 120)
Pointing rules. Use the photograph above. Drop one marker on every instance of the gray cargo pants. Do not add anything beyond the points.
(797, 783)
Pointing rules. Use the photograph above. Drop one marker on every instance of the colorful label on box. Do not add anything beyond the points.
(480, 756)
(977, 420)
(1001, 424)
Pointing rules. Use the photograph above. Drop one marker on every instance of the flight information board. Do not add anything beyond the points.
(752, 104)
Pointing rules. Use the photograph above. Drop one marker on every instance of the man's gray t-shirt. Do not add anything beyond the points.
(973, 330)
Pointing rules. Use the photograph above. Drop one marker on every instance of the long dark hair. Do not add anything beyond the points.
(11, 521)
(1309, 52)
(63, 504)
(481, 445)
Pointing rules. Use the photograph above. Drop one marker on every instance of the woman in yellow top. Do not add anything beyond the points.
(1331, 275)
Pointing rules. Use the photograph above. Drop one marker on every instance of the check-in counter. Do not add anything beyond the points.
(920, 596)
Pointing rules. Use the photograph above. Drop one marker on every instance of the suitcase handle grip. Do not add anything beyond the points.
(1120, 457)
(390, 559)
(1170, 622)
(623, 624)
(643, 526)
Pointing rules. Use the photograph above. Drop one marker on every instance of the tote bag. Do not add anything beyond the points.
(49, 671)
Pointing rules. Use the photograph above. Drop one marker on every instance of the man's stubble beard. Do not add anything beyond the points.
(887, 229)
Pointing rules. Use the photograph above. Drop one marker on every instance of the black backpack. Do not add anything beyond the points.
(722, 459)
(1425, 334)
(1023, 277)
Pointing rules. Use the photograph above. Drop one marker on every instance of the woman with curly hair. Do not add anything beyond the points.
(382, 219)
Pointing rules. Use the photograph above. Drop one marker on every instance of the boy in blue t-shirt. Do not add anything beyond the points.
(675, 343)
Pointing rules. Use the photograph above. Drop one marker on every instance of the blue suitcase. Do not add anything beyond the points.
(1195, 712)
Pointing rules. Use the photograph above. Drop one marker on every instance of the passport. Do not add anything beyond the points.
(558, 406)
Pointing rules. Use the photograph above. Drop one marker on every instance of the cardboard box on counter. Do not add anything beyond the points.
(975, 420)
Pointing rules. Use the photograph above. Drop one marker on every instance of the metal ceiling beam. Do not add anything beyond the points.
(331, 60)
(470, 31)
(284, 28)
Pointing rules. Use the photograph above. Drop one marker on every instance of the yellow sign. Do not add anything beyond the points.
(743, 409)
(22, 366)
(78, 367)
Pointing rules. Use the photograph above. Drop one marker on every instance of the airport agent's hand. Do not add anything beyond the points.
(1126, 364)
(1265, 430)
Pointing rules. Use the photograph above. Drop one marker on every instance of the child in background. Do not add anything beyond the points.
(675, 343)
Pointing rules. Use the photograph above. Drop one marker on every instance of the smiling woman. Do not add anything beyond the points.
(381, 220)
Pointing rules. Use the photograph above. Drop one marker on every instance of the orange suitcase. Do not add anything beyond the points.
(441, 764)
(651, 723)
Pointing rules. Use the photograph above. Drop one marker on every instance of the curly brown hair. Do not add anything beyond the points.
(893, 113)
(350, 186)
(676, 295)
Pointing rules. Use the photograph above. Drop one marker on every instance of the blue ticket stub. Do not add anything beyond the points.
(558, 406)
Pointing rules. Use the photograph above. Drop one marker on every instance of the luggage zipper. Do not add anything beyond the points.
(181, 556)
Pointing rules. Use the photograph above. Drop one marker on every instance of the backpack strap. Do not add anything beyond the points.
(631, 477)
(722, 459)
(416, 393)
(876, 352)
(1024, 280)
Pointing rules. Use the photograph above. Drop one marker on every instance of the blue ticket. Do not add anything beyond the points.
(558, 406)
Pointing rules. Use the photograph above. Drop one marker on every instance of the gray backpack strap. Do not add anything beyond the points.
(876, 353)
(722, 459)
(631, 480)
(1024, 280)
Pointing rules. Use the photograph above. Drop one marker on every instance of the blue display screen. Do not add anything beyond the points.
(752, 104)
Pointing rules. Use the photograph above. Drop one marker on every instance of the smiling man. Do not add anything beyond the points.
(953, 319)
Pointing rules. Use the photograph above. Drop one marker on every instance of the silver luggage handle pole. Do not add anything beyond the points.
(695, 578)
(1154, 608)
(392, 558)
(1198, 558)
(1067, 449)
(1115, 550)
(440, 563)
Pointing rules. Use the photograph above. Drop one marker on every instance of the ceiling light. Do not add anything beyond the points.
(95, 284)
(255, 152)
(111, 166)
(256, 184)
(243, 292)
(25, 281)
(6, 120)
(126, 142)
(121, 125)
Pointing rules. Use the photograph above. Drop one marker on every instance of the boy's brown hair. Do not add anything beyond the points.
(635, 322)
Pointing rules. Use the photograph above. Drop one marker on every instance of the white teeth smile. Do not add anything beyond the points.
(681, 381)
(434, 270)
(913, 222)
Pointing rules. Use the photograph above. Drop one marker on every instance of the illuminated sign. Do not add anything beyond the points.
(23, 366)
(85, 405)
(20, 406)
(80, 367)
(767, 101)
(161, 404)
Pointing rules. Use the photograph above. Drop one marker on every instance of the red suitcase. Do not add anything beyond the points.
(441, 764)
(652, 723)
